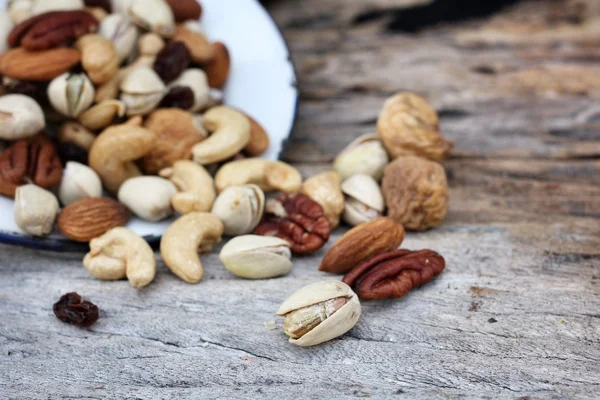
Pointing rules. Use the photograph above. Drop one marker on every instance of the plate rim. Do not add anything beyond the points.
(66, 244)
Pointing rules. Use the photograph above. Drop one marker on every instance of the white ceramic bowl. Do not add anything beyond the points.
(262, 83)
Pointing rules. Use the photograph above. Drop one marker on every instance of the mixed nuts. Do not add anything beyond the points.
(91, 68)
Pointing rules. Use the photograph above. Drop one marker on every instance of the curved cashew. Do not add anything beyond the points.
(196, 187)
(121, 253)
(231, 134)
(113, 153)
(194, 232)
(269, 175)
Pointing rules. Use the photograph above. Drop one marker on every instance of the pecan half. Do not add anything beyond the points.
(50, 30)
(297, 219)
(395, 273)
(30, 160)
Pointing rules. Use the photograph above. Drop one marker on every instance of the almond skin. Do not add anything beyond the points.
(89, 218)
(361, 243)
(259, 139)
(185, 10)
(39, 66)
(217, 70)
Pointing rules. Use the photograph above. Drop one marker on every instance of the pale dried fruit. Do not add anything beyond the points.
(362, 242)
(364, 201)
(416, 192)
(365, 155)
(325, 189)
(121, 253)
(408, 125)
(35, 210)
(86, 219)
(319, 312)
(257, 257)
(176, 132)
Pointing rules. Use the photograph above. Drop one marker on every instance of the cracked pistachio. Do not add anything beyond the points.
(141, 91)
(365, 155)
(20, 117)
(364, 200)
(257, 257)
(240, 208)
(319, 312)
(121, 32)
(78, 182)
(153, 15)
(71, 94)
(196, 80)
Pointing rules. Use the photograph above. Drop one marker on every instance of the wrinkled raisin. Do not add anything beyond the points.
(72, 310)
(172, 61)
(72, 152)
(178, 97)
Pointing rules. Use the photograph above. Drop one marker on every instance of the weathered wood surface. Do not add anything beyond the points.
(514, 316)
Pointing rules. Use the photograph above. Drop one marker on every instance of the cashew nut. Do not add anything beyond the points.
(269, 175)
(181, 242)
(121, 253)
(231, 134)
(114, 151)
(196, 187)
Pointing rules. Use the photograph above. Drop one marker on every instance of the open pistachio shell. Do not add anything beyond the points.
(141, 91)
(240, 208)
(71, 94)
(364, 200)
(153, 15)
(333, 325)
(365, 155)
(121, 32)
(257, 257)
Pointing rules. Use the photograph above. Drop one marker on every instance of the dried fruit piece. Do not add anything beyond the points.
(89, 218)
(185, 10)
(72, 309)
(361, 243)
(395, 273)
(50, 30)
(171, 61)
(178, 97)
(297, 219)
(416, 192)
(408, 125)
(34, 160)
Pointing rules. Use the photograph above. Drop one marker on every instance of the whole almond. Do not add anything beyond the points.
(185, 10)
(217, 70)
(259, 138)
(46, 65)
(361, 243)
(89, 218)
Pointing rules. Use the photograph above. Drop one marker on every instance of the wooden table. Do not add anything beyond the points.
(516, 315)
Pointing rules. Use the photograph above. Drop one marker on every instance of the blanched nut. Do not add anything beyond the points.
(365, 155)
(240, 208)
(319, 312)
(113, 154)
(408, 125)
(121, 253)
(416, 191)
(98, 57)
(78, 182)
(195, 185)
(20, 117)
(35, 210)
(270, 176)
(325, 188)
(231, 134)
(181, 242)
(148, 197)
(364, 201)
(102, 114)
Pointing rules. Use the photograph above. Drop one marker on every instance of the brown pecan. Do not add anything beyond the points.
(105, 4)
(34, 160)
(171, 61)
(361, 243)
(52, 29)
(395, 273)
(185, 10)
(178, 97)
(297, 219)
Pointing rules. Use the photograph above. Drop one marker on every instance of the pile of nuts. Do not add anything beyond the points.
(136, 98)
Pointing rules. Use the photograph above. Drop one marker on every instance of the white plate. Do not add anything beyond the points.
(262, 83)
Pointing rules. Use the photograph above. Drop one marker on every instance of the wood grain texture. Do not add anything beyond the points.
(516, 313)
